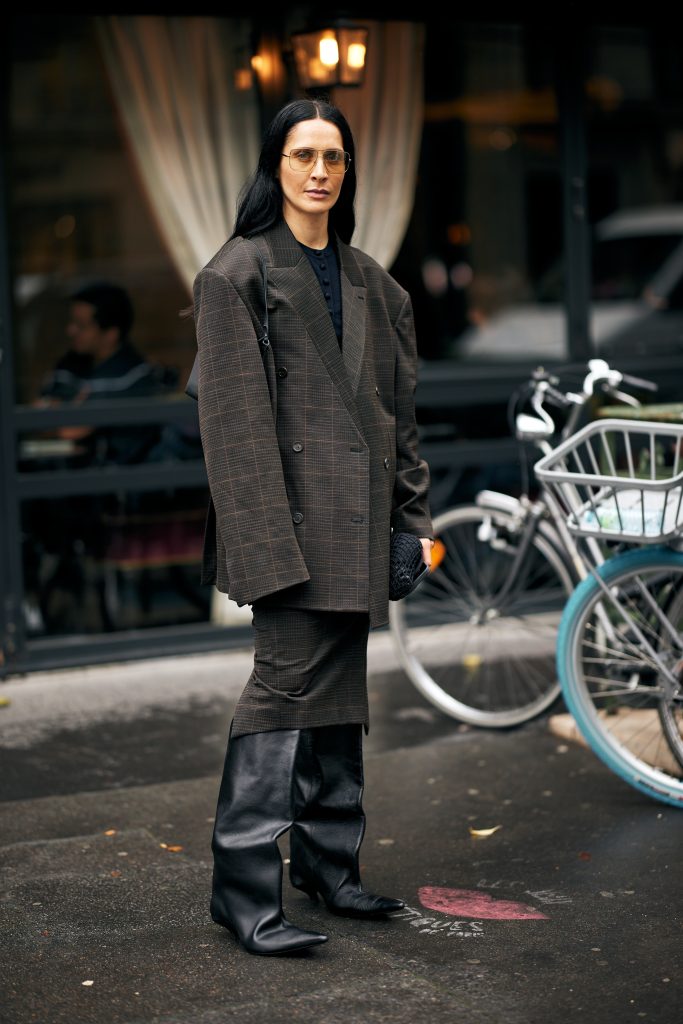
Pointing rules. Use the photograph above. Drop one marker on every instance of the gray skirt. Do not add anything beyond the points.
(310, 669)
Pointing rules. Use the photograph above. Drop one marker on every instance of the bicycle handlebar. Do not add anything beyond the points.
(639, 382)
(555, 396)
(600, 374)
(542, 389)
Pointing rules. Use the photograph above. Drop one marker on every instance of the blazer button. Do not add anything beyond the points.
(297, 447)
(298, 517)
(387, 462)
(282, 371)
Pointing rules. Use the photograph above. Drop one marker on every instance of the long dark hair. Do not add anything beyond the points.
(259, 206)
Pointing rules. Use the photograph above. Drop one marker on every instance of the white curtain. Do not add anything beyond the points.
(385, 115)
(194, 137)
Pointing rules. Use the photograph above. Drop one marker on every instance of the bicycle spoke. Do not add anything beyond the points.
(621, 667)
(476, 639)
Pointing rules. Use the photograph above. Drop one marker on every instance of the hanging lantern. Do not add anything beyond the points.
(330, 56)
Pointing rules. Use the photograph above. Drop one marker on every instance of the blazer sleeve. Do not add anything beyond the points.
(410, 506)
(241, 451)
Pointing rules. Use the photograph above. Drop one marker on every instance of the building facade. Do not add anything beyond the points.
(539, 220)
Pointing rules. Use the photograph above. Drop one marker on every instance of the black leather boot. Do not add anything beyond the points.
(255, 806)
(329, 826)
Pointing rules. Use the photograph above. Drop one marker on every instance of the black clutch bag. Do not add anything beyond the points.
(407, 568)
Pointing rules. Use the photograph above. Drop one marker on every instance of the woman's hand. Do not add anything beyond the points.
(427, 545)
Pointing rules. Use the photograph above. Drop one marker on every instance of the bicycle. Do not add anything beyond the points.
(478, 637)
(620, 641)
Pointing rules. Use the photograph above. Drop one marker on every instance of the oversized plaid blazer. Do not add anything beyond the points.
(311, 454)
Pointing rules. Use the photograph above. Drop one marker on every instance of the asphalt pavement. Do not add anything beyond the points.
(570, 910)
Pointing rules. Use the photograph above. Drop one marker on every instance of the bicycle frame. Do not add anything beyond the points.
(533, 515)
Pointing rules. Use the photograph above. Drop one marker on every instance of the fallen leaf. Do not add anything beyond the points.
(115, 874)
(584, 856)
(174, 849)
(386, 842)
(87, 983)
(483, 832)
(110, 832)
(5, 702)
(163, 845)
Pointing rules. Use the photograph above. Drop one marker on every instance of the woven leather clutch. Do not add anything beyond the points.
(406, 566)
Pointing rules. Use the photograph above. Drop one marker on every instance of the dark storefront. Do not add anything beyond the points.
(545, 224)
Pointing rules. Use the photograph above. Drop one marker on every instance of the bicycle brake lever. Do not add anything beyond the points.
(622, 397)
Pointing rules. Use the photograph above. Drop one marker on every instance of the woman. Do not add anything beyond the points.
(310, 447)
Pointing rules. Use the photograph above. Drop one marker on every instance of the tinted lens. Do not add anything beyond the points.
(335, 159)
(302, 157)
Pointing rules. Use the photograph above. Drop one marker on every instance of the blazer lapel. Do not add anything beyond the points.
(353, 314)
(292, 274)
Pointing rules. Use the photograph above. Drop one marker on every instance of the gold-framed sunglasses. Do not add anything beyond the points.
(336, 160)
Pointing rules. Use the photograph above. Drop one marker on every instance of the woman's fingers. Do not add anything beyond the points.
(427, 545)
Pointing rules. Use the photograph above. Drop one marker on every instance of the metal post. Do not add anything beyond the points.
(570, 66)
(11, 576)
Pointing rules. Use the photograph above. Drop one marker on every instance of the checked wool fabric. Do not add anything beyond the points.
(311, 453)
(310, 669)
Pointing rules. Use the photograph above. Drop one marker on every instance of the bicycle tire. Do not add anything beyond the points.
(612, 685)
(486, 666)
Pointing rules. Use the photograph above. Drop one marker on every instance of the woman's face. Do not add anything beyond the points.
(314, 191)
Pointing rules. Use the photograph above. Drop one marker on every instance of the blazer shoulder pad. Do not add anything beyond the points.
(235, 255)
(237, 260)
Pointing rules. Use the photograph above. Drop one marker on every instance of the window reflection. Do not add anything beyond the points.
(487, 221)
(102, 563)
(78, 213)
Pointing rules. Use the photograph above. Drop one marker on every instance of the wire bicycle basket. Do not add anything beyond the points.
(619, 480)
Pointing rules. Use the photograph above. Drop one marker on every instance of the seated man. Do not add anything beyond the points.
(101, 363)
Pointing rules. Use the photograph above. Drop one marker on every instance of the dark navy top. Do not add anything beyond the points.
(326, 267)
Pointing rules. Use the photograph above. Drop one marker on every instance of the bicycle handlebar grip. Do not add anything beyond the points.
(639, 382)
(552, 394)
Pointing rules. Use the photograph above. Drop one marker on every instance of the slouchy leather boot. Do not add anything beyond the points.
(329, 826)
(255, 806)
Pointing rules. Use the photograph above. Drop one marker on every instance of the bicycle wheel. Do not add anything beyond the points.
(620, 662)
(476, 644)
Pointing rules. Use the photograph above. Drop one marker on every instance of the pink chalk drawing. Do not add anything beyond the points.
(471, 903)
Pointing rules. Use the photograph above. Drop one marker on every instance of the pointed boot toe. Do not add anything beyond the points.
(270, 939)
(329, 827)
(281, 940)
(361, 904)
(254, 809)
